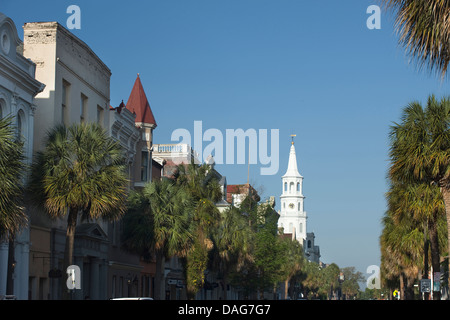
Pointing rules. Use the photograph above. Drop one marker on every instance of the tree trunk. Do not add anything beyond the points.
(446, 196)
(68, 252)
(160, 287)
(426, 295)
(434, 248)
(286, 286)
(409, 290)
(402, 286)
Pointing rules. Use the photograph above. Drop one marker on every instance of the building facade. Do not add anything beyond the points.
(77, 91)
(132, 124)
(18, 88)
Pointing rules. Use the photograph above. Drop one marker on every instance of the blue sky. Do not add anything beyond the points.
(311, 68)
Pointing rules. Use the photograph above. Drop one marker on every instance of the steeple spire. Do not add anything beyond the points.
(292, 170)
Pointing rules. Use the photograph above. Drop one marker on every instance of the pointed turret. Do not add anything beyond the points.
(138, 104)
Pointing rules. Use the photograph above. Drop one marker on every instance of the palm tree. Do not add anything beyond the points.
(421, 206)
(79, 173)
(232, 244)
(424, 30)
(293, 264)
(12, 213)
(158, 221)
(420, 148)
(401, 248)
(200, 181)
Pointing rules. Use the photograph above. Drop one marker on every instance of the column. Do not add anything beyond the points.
(95, 279)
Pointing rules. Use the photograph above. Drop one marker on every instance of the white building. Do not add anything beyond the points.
(292, 214)
(18, 88)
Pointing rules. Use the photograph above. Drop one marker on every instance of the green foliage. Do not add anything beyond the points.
(158, 218)
(12, 213)
(81, 168)
(200, 182)
(350, 286)
(414, 227)
(423, 29)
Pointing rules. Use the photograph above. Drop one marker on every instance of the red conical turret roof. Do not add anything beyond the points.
(138, 104)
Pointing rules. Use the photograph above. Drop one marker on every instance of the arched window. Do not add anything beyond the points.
(285, 186)
(291, 187)
(301, 227)
(299, 206)
(309, 244)
(20, 124)
(298, 186)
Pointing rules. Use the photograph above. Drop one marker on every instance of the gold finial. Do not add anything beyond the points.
(292, 136)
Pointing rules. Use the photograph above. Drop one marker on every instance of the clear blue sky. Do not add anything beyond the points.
(311, 68)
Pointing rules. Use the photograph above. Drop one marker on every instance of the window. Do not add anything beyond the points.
(285, 186)
(309, 244)
(299, 206)
(65, 101)
(144, 166)
(301, 227)
(291, 187)
(83, 107)
(298, 186)
(99, 115)
(20, 125)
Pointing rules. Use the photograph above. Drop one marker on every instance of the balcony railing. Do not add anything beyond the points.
(174, 150)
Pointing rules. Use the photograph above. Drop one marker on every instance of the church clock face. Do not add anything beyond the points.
(291, 205)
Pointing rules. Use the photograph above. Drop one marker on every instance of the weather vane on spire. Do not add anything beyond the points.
(292, 136)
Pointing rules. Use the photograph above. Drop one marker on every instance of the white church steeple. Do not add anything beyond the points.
(292, 214)
(292, 170)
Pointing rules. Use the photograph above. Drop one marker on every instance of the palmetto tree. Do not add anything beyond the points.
(202, 185)
(293, 264)
(420, 148)
(401, 248)
(158, 221)
(12, 213)
(232, 244)
(80, 173)
(419, 207)
(424, 30)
